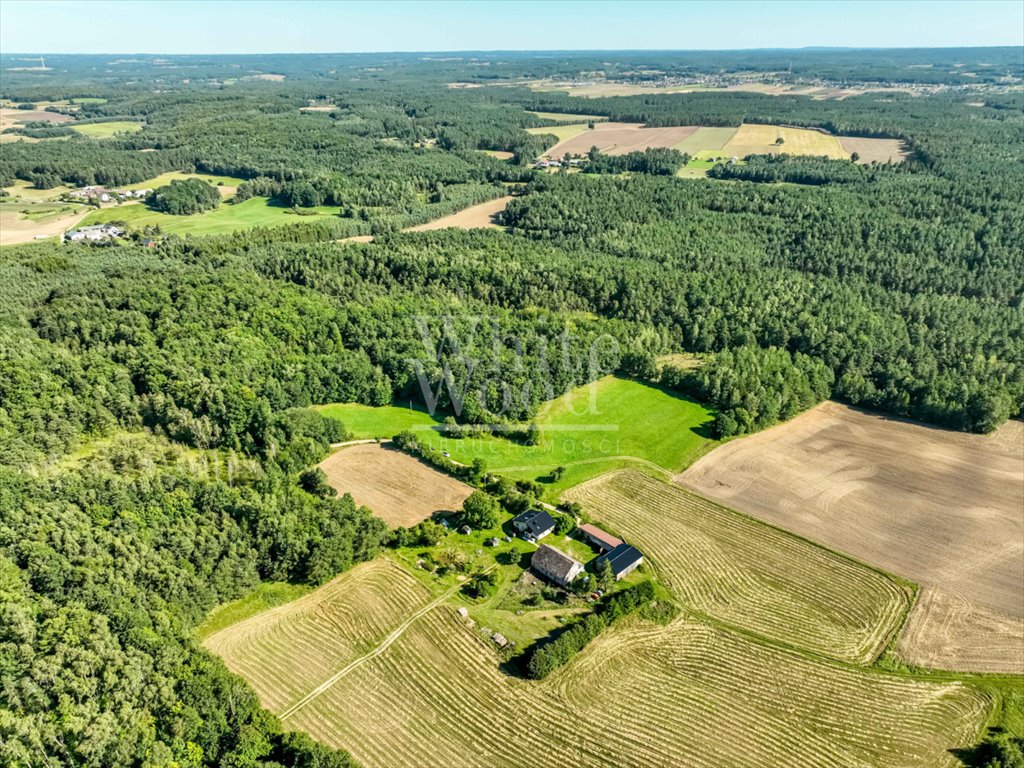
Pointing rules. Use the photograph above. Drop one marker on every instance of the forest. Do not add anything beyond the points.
(894, 287)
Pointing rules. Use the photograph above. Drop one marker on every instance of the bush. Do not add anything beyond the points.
(480, 510)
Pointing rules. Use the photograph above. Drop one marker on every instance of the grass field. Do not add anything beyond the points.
(753, 139)
(399, 489)
(370, 664)
(611, 424)
(231, 182)
(940, 508)
(255, 212)
(267, 595)
(702, 162)
(106, 130)
(565, 117)
(747, 574)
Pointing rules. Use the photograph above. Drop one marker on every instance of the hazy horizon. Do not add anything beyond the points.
(186, 27)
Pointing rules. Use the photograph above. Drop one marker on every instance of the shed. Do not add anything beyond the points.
(624, 559)
(603, 540)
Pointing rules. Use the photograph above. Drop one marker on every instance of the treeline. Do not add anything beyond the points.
(752, 388)
(547, 656)
(814, 171)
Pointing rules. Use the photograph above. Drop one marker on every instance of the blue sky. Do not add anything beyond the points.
(264, 26)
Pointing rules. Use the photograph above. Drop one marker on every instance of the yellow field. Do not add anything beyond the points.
(563, 132)
(747, 574)
(230, 183)
(431, 693)
(566, 117)
(760, 140)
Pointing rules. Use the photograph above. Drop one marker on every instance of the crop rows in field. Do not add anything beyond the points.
(643, 695)
(748, 574)
(286, 652)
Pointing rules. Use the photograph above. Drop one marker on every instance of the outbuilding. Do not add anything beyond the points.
(555, 566)
(624, 559)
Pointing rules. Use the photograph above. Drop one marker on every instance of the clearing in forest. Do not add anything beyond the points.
(475, 217)
(402, 682)
(753, 139)
(566, 117)
(944, 509)
(619, 138)
(609, 424)
(397, 488)
(875, 150)
(745, 573)
(107, 130)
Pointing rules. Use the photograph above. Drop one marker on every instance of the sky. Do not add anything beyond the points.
(323, 26)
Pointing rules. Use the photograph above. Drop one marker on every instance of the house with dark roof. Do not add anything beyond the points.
(603, 540)
(534, 524)
(623, 559)
(555, 566)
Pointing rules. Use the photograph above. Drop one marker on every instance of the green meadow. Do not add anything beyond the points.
(106, 130)
(228, 218)
(610, 424)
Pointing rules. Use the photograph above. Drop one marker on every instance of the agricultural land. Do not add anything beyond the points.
(940, 508)
(398, 488)
(607, 425)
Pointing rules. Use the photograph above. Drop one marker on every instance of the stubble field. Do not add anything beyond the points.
(396, 487)
(747, 574)
(431, 693)
(943, 509)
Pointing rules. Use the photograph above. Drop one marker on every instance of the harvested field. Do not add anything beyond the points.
(399, 489)
(313, 637)
(566, 117)
(706, 138)
(561, 132)
(498, 154)
(621, 138)
(10, 117)
(474, 217)
(753, 139)
(747, 574)
(875, 150)
(16, 227)
(944, 509)
(433, 695)
(948, 632)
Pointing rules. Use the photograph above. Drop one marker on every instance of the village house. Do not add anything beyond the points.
(555, 566)
(603, 540)
(623, 559)
(534, 524)
(93, 233)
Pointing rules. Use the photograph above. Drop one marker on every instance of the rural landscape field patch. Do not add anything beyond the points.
(436, 695)
(941, 508)
(753, 139)
(618, 138)
(398, 488)
(749, 575)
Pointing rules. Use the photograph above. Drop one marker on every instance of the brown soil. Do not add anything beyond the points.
(399, 489)
(621, 138)
(875, 150)
(944, 509)
(474, 217)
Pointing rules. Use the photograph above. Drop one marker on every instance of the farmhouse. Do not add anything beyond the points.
(93, 233)
(603, 540)
(623, 559)
(534, 524)
(555, 566)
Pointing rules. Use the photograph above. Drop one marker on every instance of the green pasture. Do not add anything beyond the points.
(255, 212)
(106, 130)
(706, 138)
(596, 428)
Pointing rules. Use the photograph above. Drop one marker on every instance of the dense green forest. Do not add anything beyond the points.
(895, 287)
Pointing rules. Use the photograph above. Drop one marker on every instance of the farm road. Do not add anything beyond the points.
(383, 646)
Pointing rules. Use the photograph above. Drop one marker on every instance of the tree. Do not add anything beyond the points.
(183, 197)
(480, 510)
(314, 481)
(605, 576)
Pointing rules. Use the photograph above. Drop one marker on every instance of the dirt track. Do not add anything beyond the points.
(397, 488)
(944, 509)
